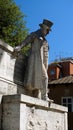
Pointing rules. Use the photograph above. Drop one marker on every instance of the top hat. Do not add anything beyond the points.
(47, 23)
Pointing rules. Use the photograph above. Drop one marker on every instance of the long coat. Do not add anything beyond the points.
(37, 61)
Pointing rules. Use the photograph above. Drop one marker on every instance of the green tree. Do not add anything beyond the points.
(12, 24)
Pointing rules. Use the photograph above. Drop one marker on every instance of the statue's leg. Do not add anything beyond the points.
(44, 83)
(37, 93)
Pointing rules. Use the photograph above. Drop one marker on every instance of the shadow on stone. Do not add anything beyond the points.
(20, 69)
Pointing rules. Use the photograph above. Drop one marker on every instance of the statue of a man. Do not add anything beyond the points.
(36, 78)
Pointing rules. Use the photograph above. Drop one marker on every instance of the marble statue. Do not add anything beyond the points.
(36, 78)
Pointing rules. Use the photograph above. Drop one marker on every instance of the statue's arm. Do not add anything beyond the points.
(29, 39)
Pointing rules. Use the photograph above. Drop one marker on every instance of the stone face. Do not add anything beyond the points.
(32, 114)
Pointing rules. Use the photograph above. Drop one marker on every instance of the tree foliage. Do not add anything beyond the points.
(12, 25)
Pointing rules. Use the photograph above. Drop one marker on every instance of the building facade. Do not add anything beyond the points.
(60, 69)
(61, 86)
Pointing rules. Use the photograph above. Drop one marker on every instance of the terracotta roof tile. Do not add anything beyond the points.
(64, 80)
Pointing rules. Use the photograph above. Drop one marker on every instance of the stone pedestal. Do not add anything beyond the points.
(22, 112)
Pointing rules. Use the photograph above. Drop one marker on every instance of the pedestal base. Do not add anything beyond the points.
(22, 112)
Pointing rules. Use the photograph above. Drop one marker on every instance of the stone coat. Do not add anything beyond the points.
(37, 62)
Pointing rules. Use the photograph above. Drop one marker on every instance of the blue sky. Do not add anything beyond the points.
(60, 12)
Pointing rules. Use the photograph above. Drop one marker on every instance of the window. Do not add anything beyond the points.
(52, 72)
(68, 101)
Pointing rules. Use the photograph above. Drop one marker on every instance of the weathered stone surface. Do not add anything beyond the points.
(11, 71)
(9, 88)
(0, 116)
(11, 68)
(32, 114)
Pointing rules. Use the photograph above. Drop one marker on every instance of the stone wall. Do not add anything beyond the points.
(11, 68)
(22, 112)
(11, 71)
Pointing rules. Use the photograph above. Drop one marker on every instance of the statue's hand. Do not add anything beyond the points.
(16, 51)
